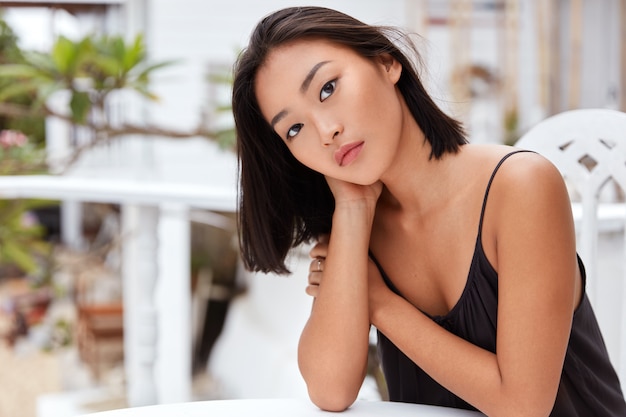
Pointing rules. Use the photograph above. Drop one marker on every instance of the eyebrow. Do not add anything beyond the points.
(303, 89)
(281, 114)
(309, 77)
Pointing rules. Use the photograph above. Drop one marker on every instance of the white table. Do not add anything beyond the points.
(282, 408)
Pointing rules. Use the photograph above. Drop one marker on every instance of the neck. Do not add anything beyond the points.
(415, 182)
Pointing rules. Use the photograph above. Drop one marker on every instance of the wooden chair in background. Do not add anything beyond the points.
(100, 336)
(99, 319)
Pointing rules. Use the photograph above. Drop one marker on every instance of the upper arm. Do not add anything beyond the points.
(536, 262)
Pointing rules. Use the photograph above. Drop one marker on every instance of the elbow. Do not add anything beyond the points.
(333, 382)
(332, 400)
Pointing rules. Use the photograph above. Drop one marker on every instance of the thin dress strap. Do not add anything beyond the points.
(493, 174)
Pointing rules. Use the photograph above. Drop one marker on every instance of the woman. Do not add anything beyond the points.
(338, 141)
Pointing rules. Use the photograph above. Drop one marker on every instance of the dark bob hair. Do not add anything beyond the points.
(282, 203)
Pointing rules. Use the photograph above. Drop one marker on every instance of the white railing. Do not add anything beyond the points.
(155, 272)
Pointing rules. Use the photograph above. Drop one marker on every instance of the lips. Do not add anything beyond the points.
(348, 153)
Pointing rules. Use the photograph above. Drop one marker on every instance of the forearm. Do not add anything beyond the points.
(470, 372)
(333, 347)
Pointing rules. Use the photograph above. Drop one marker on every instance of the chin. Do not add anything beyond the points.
(367, 181)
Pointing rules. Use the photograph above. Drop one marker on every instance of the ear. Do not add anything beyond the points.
(392, 67)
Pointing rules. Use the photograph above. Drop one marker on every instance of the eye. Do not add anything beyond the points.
(327, 90)
(294, 130)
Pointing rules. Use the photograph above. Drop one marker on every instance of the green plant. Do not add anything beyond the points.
(225, 136)
(18, 155)
(31, 125)
(90, 69)
(21, 240)
(511, 127)
(9, 51)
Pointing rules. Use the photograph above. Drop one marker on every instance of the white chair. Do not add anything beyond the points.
(589, 148)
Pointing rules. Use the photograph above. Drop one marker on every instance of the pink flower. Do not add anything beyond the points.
(29, 220)
(10, 138)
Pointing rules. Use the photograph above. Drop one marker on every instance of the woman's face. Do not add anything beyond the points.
(340, 114)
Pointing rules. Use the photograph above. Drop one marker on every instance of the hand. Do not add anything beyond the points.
(318, 253)
(344, 191)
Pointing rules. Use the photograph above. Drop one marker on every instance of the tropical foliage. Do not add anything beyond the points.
(32, 125)
(21, 152)
(90, 69)
(18, 155)
(21, 242)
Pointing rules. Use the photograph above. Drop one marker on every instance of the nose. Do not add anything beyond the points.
(328, 129)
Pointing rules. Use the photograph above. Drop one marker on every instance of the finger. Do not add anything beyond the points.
(312, 290)
(315, 278)
(321, 246)
(316, 265)
(320, 250)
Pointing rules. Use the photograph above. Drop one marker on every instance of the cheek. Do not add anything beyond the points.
(378, 103)
(307, 154)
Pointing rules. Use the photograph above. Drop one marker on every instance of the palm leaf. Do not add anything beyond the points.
(19, 71)
(144, 74)
(13, 253)
(135, 54)
(17, 89)
(64, 55)
(80, 104)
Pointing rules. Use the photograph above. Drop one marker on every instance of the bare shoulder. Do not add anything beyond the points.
(529, 175)
(529, 189)
(519, 171)
(528, 218)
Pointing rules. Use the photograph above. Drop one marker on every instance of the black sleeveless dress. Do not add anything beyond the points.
(589, 386)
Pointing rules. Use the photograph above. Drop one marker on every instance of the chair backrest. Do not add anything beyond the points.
(589, 148)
